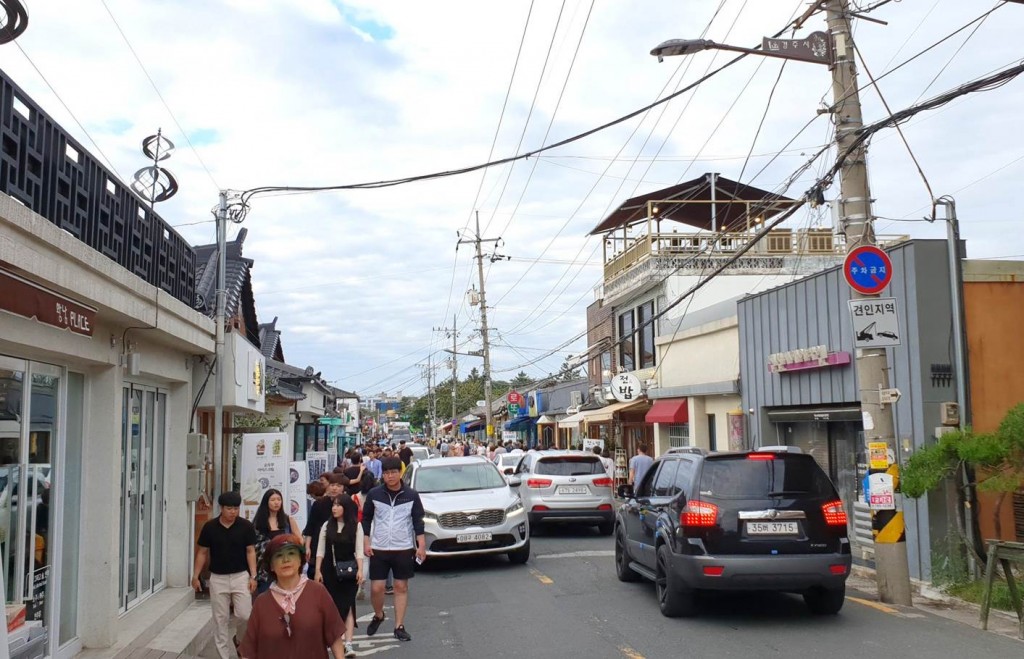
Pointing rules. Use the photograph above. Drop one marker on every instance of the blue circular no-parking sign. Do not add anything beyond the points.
(867, 269)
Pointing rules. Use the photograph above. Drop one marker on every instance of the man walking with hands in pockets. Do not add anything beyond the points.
(393, 539)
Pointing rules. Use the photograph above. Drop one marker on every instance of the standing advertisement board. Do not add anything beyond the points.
(264, 466)
(317, 462)
(298, 477)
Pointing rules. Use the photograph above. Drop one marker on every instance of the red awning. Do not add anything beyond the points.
(668, 410)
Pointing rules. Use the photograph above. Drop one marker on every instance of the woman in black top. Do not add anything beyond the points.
(340, 537)
(270, 521)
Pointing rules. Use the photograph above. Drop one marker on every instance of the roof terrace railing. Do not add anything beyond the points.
(48, 171)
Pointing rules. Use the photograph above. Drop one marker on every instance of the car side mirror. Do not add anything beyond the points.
(625, 491)
(515, 482)
(509, 470)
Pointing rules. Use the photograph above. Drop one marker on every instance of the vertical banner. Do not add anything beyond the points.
(317, 463)
(264, 466)
(298, 477)
(735, 431)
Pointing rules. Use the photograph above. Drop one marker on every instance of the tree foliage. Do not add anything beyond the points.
(998, 458)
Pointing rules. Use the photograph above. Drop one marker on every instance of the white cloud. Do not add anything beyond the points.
(318, 92)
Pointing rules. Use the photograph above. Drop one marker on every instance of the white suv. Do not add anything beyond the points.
(566, 486)
(469, 509)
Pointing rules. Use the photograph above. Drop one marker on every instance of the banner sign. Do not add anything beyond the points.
(264, 466)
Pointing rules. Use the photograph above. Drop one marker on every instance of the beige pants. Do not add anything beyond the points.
(225, 590)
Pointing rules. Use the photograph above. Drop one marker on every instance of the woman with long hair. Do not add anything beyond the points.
(295, 617)
(340, 536)
(270, 521)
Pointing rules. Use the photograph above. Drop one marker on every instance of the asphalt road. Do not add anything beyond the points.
(566, 602)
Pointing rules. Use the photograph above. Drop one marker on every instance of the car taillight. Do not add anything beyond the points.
(540, 509)
(538, 482)
(760, 456)
(602, 482)
(837, 569)
(834, 513)
(605, 506)
(699, 514)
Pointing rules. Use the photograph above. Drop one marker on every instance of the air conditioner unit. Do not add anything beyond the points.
(575, 398)
(572, 410)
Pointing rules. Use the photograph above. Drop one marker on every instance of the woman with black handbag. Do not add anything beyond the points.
(337, 566)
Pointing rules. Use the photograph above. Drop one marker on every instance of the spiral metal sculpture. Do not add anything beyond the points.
(155, 183)
(16, 20)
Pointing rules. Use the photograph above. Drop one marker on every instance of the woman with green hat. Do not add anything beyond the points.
(296, 618)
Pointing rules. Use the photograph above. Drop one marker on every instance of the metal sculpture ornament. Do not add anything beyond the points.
(16, 20)
(155, 183)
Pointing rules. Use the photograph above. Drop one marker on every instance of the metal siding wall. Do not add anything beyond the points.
(814, 311)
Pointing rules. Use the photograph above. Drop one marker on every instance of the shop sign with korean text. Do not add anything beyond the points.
(27, 299)
(626, 387)
(264, 465)
(875, 322)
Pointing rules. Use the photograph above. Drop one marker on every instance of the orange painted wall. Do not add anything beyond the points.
(995, 343)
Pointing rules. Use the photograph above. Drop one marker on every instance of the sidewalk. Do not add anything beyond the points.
(928, 598)
(189, 634)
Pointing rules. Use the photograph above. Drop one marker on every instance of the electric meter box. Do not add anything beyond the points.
(197, 445)
(195, 484)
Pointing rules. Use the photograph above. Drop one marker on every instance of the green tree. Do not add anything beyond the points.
(997, 457)
(521, 381)
(568, 371)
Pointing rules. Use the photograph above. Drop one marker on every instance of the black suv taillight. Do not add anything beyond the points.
(698, 515)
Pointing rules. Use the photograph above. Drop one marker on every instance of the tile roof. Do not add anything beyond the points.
(236, 276)
(270, 341)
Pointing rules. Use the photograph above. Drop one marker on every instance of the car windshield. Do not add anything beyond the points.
(739, 477)
(570, 465)
(457, 478)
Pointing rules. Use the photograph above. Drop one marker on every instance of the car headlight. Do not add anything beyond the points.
(514, 508)
(429, 515)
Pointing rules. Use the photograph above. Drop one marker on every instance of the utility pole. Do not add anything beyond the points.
(453, 333)
(478, 241)
(891, 568)
(218, 381)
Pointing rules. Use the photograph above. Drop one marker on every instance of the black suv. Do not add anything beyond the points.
(768, 519)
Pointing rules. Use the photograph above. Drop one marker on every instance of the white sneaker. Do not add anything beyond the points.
(349, 650)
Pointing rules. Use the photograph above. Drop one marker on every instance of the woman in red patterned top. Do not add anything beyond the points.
(296, 618)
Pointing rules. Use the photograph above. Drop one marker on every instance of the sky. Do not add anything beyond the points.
(320, 92)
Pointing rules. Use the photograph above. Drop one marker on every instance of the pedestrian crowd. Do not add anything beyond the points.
(293, 591)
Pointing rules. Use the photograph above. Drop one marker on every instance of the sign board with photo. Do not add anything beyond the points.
(317, 463)
(264, 466)
(590, 443)
(298, 478)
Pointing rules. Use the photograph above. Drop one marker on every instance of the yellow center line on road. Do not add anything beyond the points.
(547, 581)
(874, 605)
(630, 653)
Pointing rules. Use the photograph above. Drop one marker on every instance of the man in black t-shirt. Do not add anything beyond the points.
(228, 544)
(405, 453)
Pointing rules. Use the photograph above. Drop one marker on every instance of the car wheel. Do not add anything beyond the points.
(622, 569)
(825, 601)
(521, 555)
(606, 528)
(673, 599)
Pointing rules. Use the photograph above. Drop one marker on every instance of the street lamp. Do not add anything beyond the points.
(815, 47)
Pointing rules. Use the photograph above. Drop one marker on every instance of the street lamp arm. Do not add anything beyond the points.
(813, 48)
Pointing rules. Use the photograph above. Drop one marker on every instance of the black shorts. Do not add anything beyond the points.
(401, 563)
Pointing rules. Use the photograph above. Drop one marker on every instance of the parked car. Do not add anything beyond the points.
(566, 486)
(419, 452)
(506, 463)
(469, 509)
(758, 520)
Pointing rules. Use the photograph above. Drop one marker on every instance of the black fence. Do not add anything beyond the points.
(52, 174)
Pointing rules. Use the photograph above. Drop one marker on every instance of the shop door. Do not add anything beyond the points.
(29, 417)
(143, 432)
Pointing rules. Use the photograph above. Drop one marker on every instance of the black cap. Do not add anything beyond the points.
(391, 464)
(229, 499)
